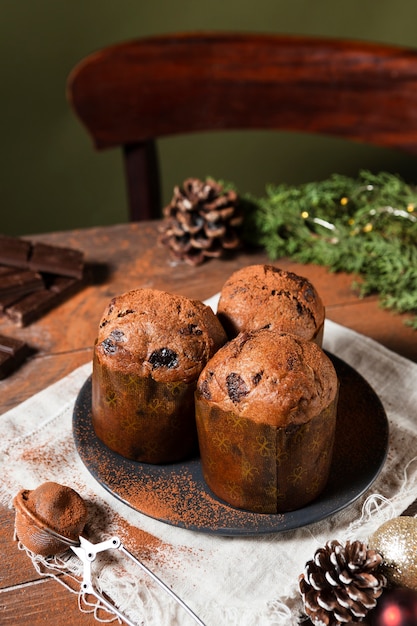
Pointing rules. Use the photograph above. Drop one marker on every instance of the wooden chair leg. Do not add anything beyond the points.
(143, 184)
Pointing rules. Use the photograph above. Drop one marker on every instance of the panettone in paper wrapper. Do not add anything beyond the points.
(266, 407)
(150, 350)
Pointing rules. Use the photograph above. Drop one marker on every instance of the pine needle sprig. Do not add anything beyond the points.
(365, 226)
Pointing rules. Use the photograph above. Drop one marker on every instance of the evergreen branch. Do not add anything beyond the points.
(365, 226)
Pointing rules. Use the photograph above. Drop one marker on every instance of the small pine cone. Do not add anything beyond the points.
(201, 221)
(341, 583)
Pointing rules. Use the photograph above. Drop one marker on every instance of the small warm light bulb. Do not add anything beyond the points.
(344, 201)
(304, 215)
(392, 616)
(367, 228)
(410, 208)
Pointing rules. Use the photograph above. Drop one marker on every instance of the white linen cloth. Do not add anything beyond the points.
(245, 581)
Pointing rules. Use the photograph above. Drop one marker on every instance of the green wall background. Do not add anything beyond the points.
(52, 178)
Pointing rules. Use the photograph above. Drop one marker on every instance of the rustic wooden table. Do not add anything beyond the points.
(120, 258)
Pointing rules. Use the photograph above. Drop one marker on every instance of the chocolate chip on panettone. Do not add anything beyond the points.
(201, 221)
(236, 387)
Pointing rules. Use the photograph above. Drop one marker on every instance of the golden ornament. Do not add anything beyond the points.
(396, 541)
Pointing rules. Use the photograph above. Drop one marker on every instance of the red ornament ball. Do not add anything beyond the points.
(396, 607)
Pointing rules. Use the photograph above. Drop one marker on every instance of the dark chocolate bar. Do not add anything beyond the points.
(12, 354)
(31, 307)
(7, 301)
(35, 277)
(20, 282)
(57, 260)
(14, 251)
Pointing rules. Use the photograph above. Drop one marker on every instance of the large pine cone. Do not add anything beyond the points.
(341, 584)
(201, 221)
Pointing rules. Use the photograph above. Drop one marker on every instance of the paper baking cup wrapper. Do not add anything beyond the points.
(141, 419)
(318, 337)
(262, 468)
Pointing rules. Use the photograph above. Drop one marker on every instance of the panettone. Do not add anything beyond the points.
(264, 296)
(266, 414)
(150, 350)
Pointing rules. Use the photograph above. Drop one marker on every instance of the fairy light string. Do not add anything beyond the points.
(366, 226)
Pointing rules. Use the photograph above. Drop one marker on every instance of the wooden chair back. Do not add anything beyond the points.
(130, 94)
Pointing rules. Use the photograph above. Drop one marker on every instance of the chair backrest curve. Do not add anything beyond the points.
(130, 94)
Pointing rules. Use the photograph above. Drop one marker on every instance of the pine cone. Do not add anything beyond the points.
(341, 583)
(201, 221)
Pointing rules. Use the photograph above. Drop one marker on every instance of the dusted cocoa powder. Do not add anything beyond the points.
(50, 507)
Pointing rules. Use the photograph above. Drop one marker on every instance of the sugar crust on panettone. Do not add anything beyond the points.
(270, 377)
(148, 332)
(265, 296)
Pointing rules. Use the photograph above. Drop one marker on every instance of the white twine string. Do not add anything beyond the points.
(377, 509)
(95, 608)
(57, 566)
(405, 489)
(289, 614)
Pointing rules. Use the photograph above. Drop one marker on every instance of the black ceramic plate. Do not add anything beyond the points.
(177, 494)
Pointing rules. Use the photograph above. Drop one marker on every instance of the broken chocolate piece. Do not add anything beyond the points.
(14, 252)
(6, 301)
(57, 260)
(31, 307)
(27, 268)
(12, 354)
(19, 283)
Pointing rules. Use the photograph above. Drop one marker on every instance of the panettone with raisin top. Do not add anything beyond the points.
(150, 350)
